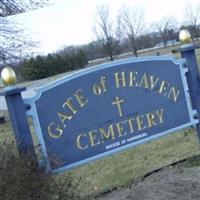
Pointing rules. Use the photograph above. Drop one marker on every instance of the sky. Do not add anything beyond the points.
(71, 22)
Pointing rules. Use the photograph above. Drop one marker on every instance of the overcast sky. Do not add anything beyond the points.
(70, 22)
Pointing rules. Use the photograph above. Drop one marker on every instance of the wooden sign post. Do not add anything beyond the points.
(17, 113)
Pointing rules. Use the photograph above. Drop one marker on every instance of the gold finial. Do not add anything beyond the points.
(8, 76)
(184, 36)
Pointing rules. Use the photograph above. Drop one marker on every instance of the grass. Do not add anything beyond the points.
(165, 51)
(127, 166)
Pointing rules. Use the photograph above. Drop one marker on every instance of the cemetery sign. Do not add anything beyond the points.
(107, 108)
(103, 109)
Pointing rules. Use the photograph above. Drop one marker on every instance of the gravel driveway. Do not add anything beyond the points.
(169, 184)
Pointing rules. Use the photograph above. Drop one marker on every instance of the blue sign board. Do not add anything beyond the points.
(101, 110)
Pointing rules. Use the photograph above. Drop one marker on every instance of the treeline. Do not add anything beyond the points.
(76, 57)
(95, 49)
(128, 27)
(70, 58)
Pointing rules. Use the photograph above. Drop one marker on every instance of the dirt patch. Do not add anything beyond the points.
(178, 184)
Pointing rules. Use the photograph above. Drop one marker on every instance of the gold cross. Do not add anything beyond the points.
(118, 102)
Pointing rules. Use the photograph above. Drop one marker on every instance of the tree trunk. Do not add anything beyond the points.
(111, 56)
(135, 52)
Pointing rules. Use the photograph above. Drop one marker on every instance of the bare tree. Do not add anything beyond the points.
(12, 43)
(192, 19)
(13, 7)
(132, 25)
(164, 26)
(105, 30)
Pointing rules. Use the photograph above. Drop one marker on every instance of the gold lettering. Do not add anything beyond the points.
(143, 82)
(159, 113)
(96, 89)
(130, 124)
(68, 104)
(132, 79)
(54, 132)
(64, 117)
(120, 80)
(120, 129)
(92, 138)
(103, 78)
(97, 136)
(140, 123)
(107, 135)
(78, 142)
(173, 94)
(153, 82)
(150, 119)
(163, 88)
(118, 102)
(80, 98)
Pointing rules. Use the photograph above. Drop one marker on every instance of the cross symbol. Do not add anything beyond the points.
(118, 102)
